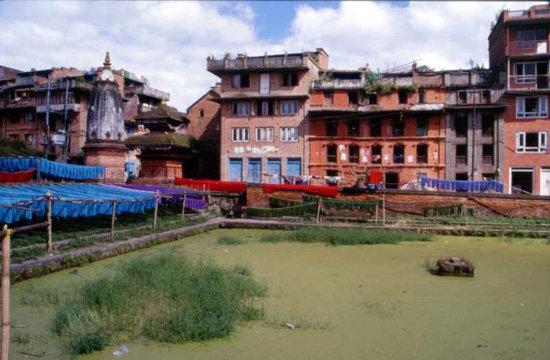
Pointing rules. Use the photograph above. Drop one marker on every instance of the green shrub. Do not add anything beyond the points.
(298, 210)
(229, 240)
(272, 237)
(165, 298)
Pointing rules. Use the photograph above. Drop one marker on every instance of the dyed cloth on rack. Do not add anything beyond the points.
(212, 185)
(297, 180)
(52, 169)
(16, 176)
(462, 185)
(194, 199)
(70, 200)
(327, 191)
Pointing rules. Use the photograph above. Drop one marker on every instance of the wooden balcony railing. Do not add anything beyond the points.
(519, 48)
(529, 82)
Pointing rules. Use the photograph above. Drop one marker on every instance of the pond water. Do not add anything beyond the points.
(347, 302)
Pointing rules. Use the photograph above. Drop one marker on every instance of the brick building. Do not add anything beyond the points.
(25, 114)
(393, 124)
(519, 53)
(264, 102)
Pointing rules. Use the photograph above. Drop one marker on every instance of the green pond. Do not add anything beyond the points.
(346, 302)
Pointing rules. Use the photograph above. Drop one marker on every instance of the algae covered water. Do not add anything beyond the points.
(348, 302)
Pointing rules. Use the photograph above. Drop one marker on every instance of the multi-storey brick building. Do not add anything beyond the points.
(264, 102)
(25, 114)
(519, 53)
(393, 124)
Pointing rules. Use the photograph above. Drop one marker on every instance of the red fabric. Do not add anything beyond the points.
(376, 177)
(16, 177)
(212, 185)
(327, 191)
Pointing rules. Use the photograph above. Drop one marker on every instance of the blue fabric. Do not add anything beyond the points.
(462, 185)
(12, 164)
(70, 171)
(52, 169)
(99, 200)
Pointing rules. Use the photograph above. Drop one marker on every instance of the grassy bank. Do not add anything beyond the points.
(165, 298)
(346, 236)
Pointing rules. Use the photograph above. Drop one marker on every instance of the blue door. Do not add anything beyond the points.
(294, 167)
(130, 168)
(274, 170)
(235, 170)
(254, 171)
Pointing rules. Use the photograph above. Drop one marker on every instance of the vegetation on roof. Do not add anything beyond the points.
(163, 111)
(13, 147)
(162, 139)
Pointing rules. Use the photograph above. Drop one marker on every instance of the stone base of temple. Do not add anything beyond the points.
(110, 155)
(160, 169)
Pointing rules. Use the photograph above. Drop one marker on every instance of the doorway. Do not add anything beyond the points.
(264, 83)
(521, 180)
(545, 181)
(392, 180)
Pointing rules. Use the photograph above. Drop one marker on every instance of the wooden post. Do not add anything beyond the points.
(384, 210)
(113, 218)
(319, 205)
(376, 214)
(49, 220)
(6, 239)
(183, 205)
(157, 198)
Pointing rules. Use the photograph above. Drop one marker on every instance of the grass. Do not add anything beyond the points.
(229, 240)
(333, 236)
(166, 298)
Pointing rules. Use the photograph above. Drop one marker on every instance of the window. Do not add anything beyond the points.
(462, 97)
(392, 180)
(373, 99)
(14, 119)
(264, 108)
(241, 108)
(403, 96)
(487, 124)
(422, 97)
(531, 142)
(526, 72)
(488, 176)
(331, 127)
(461, 126)
(329, 97)
(522, 180)
(14, 136)
(331, 153)
(461, 176)
(487, 152)
(289, 79)
(354, 154)
(461, 154)
(376, 154)
(375, 127)
(289, 107)
(240, 81)
(29, 117)
(264, 134)
(289, 134)
(240, 134)
(332, 173)
(531, 34)
(398, 127)
(353, 127)
(422, 154)
(421, 126)
(353, 97)
(531, 107)
(399, 154)
(201, 113)
(29, 139)
(486, 96)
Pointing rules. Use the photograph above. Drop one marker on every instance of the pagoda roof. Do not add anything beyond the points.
(152, 140)
(163, 112)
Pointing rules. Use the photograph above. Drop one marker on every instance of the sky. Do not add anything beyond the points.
(168, 42)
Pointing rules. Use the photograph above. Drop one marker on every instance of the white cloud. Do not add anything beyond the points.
(168, 42)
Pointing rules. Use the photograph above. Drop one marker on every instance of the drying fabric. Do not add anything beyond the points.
(194, 199)
(11, 164)
(327, 191)
(462, 185)
(70, 200)
(16, 177)
(212, 185)
(69, 171)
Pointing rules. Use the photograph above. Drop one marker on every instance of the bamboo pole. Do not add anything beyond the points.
(376, 214)
(183, 205)
(49, 220)
(384, 209)
(6, 292)
(319, 204)
(157, 198)
(113, 218)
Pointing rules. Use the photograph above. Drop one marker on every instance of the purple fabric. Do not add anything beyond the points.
(194, 198)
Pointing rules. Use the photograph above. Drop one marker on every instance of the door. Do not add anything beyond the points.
(264, 83)
(254, 173)
(545, 181)
(235, 170)
(294, 167)
(274, 170)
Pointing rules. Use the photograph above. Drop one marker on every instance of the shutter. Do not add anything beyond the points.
(235, 107)
(543, 106)
(520, 107)
(520, 141)
(542, 141)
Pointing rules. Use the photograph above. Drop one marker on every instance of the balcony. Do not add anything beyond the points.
(470, 97)
(146, 90)
(338, 84)
(487, 160)
(461, 160)
(520, 48)
(529, 82)
(61, 85)
(263, 62)
(543, 12)
(58, 108)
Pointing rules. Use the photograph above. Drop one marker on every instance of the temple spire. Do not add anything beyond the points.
(107, 62)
